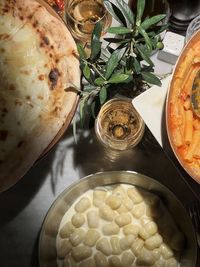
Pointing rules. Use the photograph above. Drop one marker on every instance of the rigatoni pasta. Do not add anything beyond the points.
(183, 125)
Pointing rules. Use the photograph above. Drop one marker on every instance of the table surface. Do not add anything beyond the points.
(24, 206)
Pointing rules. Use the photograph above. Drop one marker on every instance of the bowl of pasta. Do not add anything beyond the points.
(183, 126)
(117, 218)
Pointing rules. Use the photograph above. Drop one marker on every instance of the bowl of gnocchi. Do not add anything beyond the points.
(117, 219)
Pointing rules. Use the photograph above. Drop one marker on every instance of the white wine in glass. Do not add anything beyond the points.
(82, 15)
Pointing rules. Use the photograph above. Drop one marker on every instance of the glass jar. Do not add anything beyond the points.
(118, 125)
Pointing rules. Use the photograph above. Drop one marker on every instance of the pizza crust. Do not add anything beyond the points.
(37, 63)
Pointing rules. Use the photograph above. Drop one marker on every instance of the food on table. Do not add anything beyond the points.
(94, 231)
(37, 64)
(183, 124)
(58, 6)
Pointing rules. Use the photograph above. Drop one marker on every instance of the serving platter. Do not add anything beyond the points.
(179, 91)
(47, 240)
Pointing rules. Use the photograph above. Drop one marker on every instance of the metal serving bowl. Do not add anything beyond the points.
(195, 38)
(47, 241)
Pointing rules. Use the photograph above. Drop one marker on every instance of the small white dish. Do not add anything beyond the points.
(150, 105)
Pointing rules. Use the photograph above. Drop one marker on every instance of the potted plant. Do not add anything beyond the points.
(128, 68)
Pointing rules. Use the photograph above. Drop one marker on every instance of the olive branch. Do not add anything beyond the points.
(130, 63)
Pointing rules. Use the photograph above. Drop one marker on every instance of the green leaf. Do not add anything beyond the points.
(117, 40)
(118, 78)
(88, 88)
(99, 81)
(110, 7)
(144, 55)
(103, 95)
(150, 78)
(151, 21)
(126, 12)
(82, 104)
(86, 71)
(137, 66)
(81, 51)
(146, 37)
(113, 61)
(140, 11)
(95, 41)
(119, 30)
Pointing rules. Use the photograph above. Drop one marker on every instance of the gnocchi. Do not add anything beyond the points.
(131, 229)
(104, 246)
(118, 226)
(64, 247)
(145, 258)
(67, 230)
(77, 237)
(154, 241)
(127, 259)
(116, 249)
(114, 261)
(99, 197)
(93, 219)
(123, 219)
(110, 229)
(81, 252)
(88, 263)
(114, 202)
(126, 242)
(106, 213)
(134, 195)
(91, 237)
(139, 210)
(82, 205)
(78, 219)
(100, 260)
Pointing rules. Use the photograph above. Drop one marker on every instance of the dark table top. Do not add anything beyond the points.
(24, 206)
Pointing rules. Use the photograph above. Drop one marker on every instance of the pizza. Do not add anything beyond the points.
(38, 62)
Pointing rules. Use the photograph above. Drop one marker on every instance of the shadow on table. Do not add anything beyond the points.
(90, 156)
(15, 199)
(34, 256)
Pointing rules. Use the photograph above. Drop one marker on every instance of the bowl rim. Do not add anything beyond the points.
(106, 173)
(192, 40)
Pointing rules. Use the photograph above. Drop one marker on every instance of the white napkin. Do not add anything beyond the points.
(150, 106)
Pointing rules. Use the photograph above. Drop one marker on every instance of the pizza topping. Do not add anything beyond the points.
(60, 4)
(3, 135)
(53, 77)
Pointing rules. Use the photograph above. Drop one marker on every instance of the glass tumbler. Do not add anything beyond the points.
(118, 125)
(82, 15)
